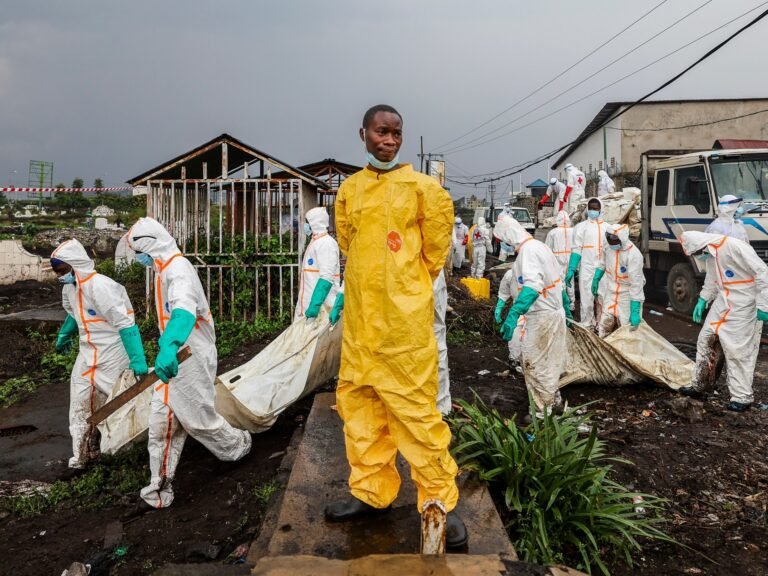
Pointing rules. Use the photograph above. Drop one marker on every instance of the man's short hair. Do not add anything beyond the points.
(373, 110)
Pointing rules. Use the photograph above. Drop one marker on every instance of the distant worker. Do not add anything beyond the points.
(481, 243)
(394, 225)
(587, 250)
(605, 184)
(319, 281)
(556, 191)
(560, 241)
(508, 290)
(622, 266)
(728, 222)
(440, 294)
(574, 190)
(736, 286)
(459, 238)
(184, 402)
(543, 301)
(99, 311)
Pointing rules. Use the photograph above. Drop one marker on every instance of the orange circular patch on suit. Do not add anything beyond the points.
(394, 241)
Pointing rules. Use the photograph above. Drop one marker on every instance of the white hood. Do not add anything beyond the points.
(509, 231)
(562, 220)
(694, 241)
(318, 220)
(727, 206)
(74, 254)
(597, 200)
(149, 236)
(620, 230)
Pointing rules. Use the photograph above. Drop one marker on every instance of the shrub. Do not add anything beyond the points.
(561, 503)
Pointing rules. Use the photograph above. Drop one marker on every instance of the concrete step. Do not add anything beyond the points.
(319, 475)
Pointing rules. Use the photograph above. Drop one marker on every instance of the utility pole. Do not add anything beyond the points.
(421, 155)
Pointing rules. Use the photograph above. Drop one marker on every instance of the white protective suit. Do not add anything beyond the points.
(726, 223)
(459, 243)
(481, 243)
(544, 340)
(101, 308)
(622, 283)
(605, 184)
(588, 241)
(736, 285)
(556, 193)
(560, 241)
(440, 293)
(508, 290)
(186, 404)
(574, 190)
(321, 261)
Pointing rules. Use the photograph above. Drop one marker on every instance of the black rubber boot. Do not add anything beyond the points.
(691, 391)
(351, 509)
(738, 406)
(455, 532)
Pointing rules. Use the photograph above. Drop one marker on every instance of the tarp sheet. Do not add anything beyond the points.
(625, 357)
(304, 356)
(129, 422)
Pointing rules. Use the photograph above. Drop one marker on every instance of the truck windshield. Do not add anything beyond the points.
(747, 179)
(521, 215)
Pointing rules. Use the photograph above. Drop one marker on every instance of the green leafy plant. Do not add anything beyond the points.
(263, 492)
(561, 503)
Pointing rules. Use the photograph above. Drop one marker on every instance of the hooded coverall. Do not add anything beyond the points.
(556, 192)
(440, 294)
(588, 241)
(101, 308)
(726, 223)
(623, 281)
(459, 240)
(605, 184)
(736, 285)
(560, 241)
(185, 405)
(481, 243)
(321, 262)
(544, 340)
(395, 228)
(574, 191)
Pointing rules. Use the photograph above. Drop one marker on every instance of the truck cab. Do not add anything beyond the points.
(685, 192)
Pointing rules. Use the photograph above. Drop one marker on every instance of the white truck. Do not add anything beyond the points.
(679, 193)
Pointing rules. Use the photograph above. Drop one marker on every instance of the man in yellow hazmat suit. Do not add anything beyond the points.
(394, 226)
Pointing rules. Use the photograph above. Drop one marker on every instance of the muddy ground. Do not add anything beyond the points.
(712, 470)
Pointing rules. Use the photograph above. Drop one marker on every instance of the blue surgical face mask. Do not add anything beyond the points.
(614, 246)
(68, 278)
(593, 214)
(307, 229)
(144, 259)
(739, 213)
(703, 257)
(379, 165)
(507, 248)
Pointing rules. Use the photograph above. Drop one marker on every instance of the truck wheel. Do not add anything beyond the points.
(682, 288)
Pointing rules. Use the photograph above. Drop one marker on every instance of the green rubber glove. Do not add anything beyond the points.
(176, 332)
(635, 313)
(573, 265)
(762, 315)
(523, 303)
(698, 312)
(599, 273)
(131, 338)
(567, 305)
(499, 309)
(64, 338)
(338, 306)
(319, 294)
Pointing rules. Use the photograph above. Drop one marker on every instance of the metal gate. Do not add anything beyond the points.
(243, 235)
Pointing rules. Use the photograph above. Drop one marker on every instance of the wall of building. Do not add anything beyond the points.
(17, 264)
(591, 151)
(668, 115)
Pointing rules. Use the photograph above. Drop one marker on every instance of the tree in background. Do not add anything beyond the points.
(98, 183)
(77, 183)
(60, 185)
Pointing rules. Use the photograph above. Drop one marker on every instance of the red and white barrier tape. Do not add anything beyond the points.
(112, 189)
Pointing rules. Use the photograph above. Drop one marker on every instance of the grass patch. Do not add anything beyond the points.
(559, 500)
(231, 334)
(463, 337)
(263, 492)
(102, 484)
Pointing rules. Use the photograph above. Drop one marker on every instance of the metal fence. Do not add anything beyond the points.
(243, 236)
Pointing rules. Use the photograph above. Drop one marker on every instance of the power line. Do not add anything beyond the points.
(551, 80)
(466, 145)
(521, 167)
(688, 125)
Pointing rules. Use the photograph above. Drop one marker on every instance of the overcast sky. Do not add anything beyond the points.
(110, 89)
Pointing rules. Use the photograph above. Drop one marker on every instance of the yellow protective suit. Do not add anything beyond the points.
(395, 229)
